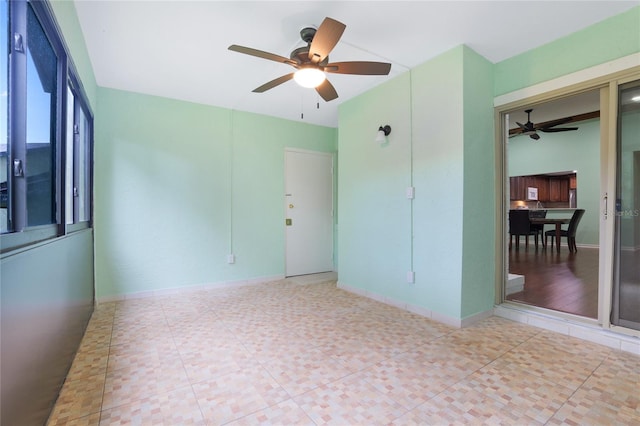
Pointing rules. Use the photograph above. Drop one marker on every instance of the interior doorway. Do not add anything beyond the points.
(308, 212)
(552, 158)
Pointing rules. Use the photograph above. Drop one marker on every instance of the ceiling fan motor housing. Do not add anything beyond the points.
(307, 33)
(301, 56)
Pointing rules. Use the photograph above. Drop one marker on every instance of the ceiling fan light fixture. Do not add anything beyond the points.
(309, 77)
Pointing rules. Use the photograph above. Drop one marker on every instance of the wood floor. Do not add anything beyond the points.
(566, 282)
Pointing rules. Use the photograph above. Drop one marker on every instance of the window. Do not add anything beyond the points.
(4, 131)
(78, 159)
(41, 107)
(46, 130)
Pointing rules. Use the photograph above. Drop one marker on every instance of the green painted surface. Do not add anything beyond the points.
(605, 41)
(374, 215)
(179, 186)
(382, 234)
(479, 233)
(438, 168)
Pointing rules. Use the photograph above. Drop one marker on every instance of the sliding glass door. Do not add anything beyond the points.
(626, 290)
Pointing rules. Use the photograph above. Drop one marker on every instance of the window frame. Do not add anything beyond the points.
(19, 234)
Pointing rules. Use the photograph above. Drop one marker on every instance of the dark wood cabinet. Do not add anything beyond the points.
(550, 188)
(559, 189)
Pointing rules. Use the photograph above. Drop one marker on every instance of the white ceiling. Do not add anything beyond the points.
(178, 49)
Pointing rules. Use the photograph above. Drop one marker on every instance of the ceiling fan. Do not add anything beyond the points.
(531, 129)
(312, 61)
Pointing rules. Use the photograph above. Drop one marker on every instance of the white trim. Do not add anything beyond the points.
(188, 289)
(585, 331)
(611, 67)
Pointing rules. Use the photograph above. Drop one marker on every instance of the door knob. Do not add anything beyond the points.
(290, 206)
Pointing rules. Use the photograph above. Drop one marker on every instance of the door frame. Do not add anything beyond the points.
(605, 77)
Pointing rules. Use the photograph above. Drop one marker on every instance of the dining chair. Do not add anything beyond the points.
(569, 233)
(519, 224)
(538, 228)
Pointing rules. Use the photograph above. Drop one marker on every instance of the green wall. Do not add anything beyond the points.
(438, 145)
(566, 151)
(179, 186)
(479, 233)
(605, 41)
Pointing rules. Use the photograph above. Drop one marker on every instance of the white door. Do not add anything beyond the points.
(308, 212)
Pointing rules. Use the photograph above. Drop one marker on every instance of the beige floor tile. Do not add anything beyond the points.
(357, 353)
(238, 394)
(349, 402)
(463, 405)
(520, 392)
(178, 407)
(78, 399)
(130, 384)
(213, 362)
(136, 355)
(295, 352)
(284, 413)
(305, 370)
(89, 363)
(611, 395)
(89, 420)
(561, 361)
(96, 338)
(417, 376)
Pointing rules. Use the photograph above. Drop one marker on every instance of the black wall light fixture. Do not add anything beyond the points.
(383, 132)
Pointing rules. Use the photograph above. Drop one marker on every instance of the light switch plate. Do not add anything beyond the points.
(411, 192)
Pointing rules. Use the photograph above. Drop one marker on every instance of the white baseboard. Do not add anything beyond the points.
(187, 289)
(591, 332)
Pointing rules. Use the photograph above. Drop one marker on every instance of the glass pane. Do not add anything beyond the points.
(69, 159)
(41, 121)
(84, 138)
(4, 99)
(628, 209)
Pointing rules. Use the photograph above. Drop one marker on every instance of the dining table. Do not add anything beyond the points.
(558, 222)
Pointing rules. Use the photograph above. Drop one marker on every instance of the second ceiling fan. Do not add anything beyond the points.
(531, 129)
(312, 61)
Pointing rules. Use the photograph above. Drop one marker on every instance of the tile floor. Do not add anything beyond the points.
(291, 353)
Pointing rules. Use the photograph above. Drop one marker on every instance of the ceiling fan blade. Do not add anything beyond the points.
(553, 123)
(560, 129)
(359, 67)
(327, 91)
(262, 54)
(325, 39)
(273, 83)
(522, 126)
